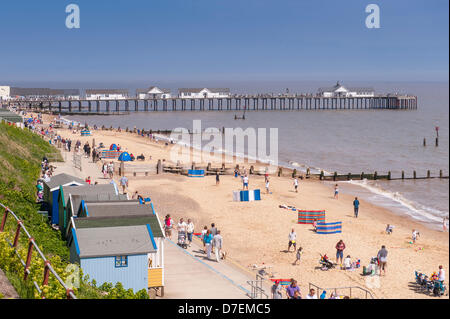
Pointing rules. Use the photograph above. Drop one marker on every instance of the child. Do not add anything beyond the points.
(298, 256)
(336, 191)
(415, 233)
(315, 224)
(267, 186)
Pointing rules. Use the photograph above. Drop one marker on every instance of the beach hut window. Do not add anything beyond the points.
(121, 261)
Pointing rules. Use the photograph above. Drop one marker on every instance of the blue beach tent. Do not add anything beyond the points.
(113, 147)
(124, 157)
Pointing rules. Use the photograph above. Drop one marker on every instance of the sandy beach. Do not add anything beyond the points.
(256, 233)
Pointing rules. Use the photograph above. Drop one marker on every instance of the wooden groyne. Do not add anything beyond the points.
(234, 103)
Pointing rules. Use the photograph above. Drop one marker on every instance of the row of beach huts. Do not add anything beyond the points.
(113, 239)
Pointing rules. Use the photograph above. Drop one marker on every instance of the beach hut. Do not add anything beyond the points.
(114, 209)
(116, 254)
(124, 157)
(101, 190)
(155, 259)
(51, 192)
(76, 202)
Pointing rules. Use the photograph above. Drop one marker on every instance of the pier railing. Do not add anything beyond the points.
(32, 245)
(230, 103)
(351, 291)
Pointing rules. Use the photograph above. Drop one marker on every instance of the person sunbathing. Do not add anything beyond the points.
(141, 157)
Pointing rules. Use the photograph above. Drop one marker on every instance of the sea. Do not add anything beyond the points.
(345, 141)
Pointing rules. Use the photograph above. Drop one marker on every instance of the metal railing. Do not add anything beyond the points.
(366, 292)
(257, 291)
(48, 269)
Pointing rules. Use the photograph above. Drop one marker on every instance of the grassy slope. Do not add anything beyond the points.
(21, 153)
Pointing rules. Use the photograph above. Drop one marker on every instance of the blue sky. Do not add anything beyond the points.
(191, 40)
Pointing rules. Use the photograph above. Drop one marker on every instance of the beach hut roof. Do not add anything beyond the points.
(124, 157)
(117, 209)
(94, 222)
(113, 241)
(64, 180)
(75, 200)
(92, 190)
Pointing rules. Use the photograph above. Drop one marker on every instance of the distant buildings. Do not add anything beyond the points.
(7, 92)
(106, 94)
(204, 93)
(153, 92)
(341, 91)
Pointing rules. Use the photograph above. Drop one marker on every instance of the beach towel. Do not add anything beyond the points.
(288, 207)
(308, 216)
(329, 228)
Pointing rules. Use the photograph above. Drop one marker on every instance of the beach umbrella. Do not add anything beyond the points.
(124, 157)
(113, 147)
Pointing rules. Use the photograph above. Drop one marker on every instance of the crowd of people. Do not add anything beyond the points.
(211, 238)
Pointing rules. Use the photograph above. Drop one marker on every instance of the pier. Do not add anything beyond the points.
(232, 103)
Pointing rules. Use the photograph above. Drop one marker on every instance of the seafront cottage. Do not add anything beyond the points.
(153, 92)
(51, 192)
(126, 254)
(106, 94)
(104, 190)
(341, 91)
(204, 93)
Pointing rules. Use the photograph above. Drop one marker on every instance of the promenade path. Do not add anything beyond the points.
(188, 273)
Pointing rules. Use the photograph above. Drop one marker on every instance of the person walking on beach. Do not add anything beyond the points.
(267, 186)
(124, 183)
(382, 259)
(296, 184)
(168, 224)
(111, 169)
(208, 241)
(105, 170)
(340, 246)
(336, 191)
(292, 239)
(277, 290)
(356, 207)
(204, 231)
(298, 255)
(291, 289)
(213, 229)
(444, 224)
(414, 235)
(190, 231)
(217, 242)
(217, 178)
(441, 274)
(245, 182)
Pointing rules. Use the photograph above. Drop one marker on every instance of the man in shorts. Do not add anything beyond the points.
(292, 239)
(382, 259)
(245, 182)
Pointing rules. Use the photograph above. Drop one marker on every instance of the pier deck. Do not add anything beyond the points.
(234, 103)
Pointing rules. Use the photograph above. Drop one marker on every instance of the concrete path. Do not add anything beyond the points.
(188, 273)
